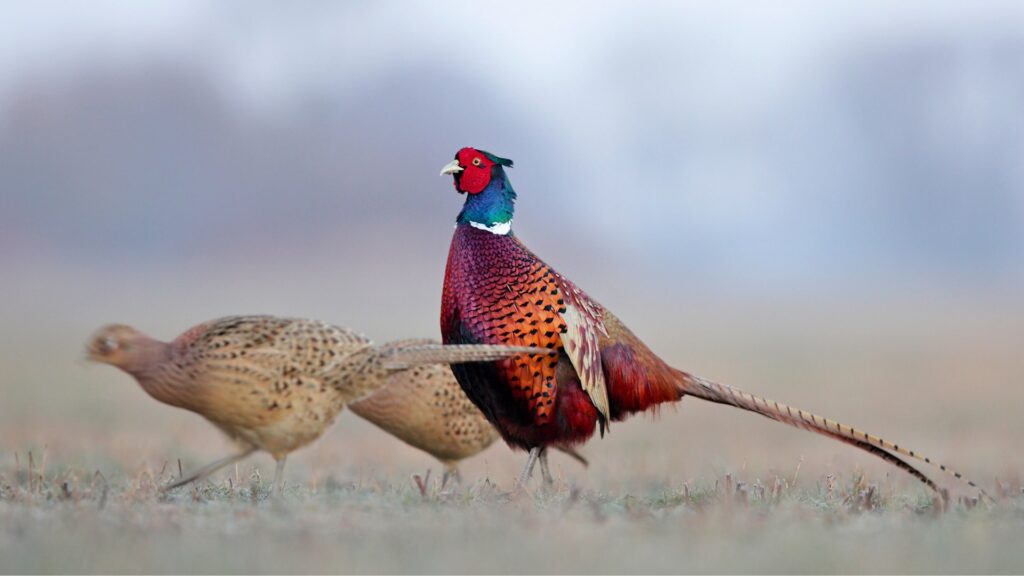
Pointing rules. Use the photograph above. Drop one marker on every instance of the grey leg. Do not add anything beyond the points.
(451, 473)
(545, 472)
(528, 469)
(279, 477)
(210, 469)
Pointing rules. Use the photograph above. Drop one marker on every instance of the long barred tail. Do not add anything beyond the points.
(402, 355)
(722, 394)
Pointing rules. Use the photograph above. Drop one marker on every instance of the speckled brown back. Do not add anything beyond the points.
(274, 383)
(425, 407)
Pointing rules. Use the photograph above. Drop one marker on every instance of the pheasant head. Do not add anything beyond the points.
(490, 199)
(123, 347)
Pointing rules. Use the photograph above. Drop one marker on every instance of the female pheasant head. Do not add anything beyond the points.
(124, 347)
(490, 199)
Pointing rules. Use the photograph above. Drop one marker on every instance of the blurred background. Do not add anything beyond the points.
(821, 203)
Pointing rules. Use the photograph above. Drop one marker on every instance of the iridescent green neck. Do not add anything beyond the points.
(491, 209)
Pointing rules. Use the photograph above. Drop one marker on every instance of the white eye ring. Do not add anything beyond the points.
(476, 161)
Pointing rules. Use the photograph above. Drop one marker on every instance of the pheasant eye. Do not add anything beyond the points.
(476, 161)
(110, 343)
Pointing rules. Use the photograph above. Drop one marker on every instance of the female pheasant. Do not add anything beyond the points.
(496, 291)
(425, 408)
(269, 383)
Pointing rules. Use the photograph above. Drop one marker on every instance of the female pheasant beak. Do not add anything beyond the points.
(451, 168)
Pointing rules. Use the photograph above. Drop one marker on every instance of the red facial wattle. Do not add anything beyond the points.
(476, 171)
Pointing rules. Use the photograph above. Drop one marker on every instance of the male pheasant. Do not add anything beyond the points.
(496, 291)
(425, 408)
(269, 383)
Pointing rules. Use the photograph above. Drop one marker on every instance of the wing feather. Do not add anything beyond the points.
(581, 345)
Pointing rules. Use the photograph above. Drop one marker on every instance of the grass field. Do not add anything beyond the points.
(81, 522)
(696, 488)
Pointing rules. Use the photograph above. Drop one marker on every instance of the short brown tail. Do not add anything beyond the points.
(722, 394)
(407, 356)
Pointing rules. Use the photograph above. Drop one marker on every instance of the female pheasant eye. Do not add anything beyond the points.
(476, 161)
(110, 343)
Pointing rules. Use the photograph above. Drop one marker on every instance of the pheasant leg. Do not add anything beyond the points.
(545, 472)
(451, 473)
(279, 477)
(531, 460)
(210, 469)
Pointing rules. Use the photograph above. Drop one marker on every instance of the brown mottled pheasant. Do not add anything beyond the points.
(272, 384)
(426, 408)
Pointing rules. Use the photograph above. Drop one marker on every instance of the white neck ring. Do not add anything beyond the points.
(500, 228)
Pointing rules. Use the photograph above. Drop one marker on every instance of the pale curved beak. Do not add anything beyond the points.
(451, 168)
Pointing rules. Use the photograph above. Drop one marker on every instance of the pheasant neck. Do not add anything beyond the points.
(150, 365)
(491, 209)
(145, 356)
